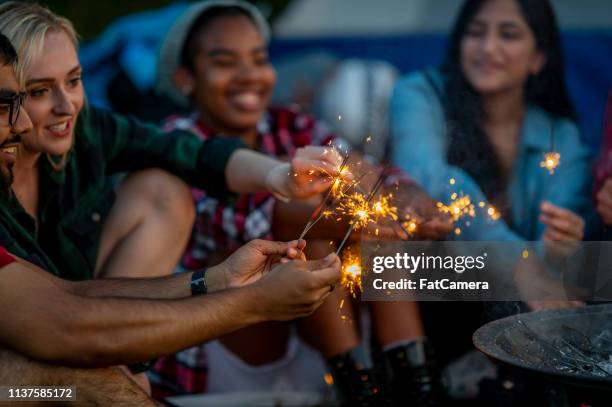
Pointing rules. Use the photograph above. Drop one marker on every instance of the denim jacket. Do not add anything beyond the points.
(419, 146)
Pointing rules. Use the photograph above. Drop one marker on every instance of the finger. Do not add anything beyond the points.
(556, 211)
(296, 248)
(295, 254)
(329, 154)
(301, 244)
(326, 261)
(328, 276)
(560, 224)
(312, 167)
(571, 231)
(270, 247)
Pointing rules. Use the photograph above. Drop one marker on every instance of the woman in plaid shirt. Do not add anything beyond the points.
(215, 60)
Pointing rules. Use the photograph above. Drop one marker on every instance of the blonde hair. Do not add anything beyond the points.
(26, 25)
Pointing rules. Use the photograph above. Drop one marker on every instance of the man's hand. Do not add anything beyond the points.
(297, 288)
(311, 171)
(604, 202)
(249, 263)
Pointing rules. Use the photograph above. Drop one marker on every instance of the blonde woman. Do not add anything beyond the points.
(83, 221)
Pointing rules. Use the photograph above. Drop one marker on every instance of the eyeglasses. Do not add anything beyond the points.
(14, 104)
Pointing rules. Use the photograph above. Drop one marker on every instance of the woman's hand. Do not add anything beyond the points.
(311, 171)
(564, 229)
(561, 224)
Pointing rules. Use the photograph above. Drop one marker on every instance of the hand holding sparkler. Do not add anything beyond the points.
(564, 230)
(253, 260)
(311, 171)
(421, 216)
(296, 288)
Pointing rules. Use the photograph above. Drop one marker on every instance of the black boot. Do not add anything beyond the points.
(354, 379)
(414, 378)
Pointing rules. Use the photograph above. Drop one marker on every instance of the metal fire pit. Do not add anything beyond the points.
(570, 349)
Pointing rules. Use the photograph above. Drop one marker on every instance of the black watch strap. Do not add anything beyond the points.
(198, 282)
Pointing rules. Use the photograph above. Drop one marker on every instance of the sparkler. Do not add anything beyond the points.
(360, 209)
(552, 159)
(459, 207)
(350, 272)
(319, 213)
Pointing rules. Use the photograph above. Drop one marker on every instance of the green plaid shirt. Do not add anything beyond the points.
(74, 203)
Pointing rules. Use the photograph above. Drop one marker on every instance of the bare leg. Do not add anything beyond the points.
(396, 321)
(148, 227)
(94, 387)
(325, 329)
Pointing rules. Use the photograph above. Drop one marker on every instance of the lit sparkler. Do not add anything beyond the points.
(410, 225)
(351, 272)
(459, 207)
(551, 161)
(360, 209)
(493, 213)
(319, 213)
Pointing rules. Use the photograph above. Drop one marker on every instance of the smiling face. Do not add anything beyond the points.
(55, 96)
(232, 78)
(9, 134)
(498, 49)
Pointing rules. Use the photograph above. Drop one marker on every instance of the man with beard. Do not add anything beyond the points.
(61, 333)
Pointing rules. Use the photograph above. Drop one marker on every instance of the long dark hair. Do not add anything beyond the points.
(469, 147)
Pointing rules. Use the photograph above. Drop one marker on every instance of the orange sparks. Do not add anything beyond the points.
(493, 213)
(351, 272)
(358, 209)
(383, 208)
(459, 207)
(551, 161)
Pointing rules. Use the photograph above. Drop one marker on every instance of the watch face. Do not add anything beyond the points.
(198, 282)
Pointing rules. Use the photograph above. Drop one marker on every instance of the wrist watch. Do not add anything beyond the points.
(198, 282)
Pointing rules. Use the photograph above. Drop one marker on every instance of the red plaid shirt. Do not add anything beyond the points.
(222, 225)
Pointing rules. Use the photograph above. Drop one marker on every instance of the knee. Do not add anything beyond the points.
(166, 194)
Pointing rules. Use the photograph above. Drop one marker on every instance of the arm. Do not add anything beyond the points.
(245, 266)
(418, 136)
(97, 387)
(217, 165)
(55, 325)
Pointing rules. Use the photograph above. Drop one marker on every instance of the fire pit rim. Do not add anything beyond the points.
(485, 340)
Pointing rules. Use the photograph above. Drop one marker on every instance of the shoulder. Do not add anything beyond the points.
(426, 81)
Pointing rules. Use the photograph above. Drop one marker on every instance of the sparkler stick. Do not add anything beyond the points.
(316, 215)
(373, 192)
(552, 159)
